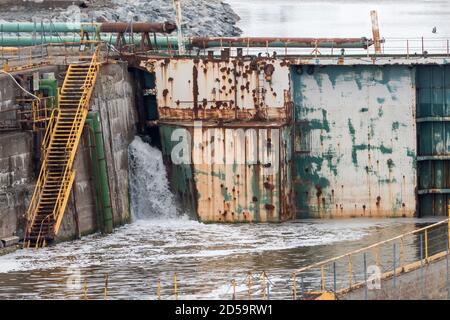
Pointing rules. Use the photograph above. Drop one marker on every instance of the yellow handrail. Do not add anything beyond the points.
(324, 262)
(74, 137)
(68, 175)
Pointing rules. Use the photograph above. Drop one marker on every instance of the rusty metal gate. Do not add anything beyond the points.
(355, 141)
(433, 138)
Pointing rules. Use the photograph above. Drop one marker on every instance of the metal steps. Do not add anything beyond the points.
(54, 185)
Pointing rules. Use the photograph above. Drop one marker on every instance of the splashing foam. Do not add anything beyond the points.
(150, 195)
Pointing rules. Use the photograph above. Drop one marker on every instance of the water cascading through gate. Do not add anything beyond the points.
(150, 195)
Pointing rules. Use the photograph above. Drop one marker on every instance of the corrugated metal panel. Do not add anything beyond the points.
(180, 176)
(433, 135)
(231, 89)
(239, 188)
(355, 144)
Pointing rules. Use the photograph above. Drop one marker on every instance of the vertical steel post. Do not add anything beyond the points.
(106, 287)
(350, 271)
(175, 287)
(302, 286)
(365, 276)
(407, 49)
(448, 222)
(426, 245)
(422, 46)
(294, 286)
(158, 289)
(447, 48)
(447, 268)
(323, 280)
(234, 289)
(402, 253)
(334, 279)
(421, 266)
(85, 289)
(181, 48)
(264, 286)
(375, 31)
(394, 278)
(249, 284)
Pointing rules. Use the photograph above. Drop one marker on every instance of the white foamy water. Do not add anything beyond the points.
(149, 189)
(206, 257)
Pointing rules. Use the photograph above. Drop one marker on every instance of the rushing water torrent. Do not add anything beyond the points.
(149, 189)
(161, 241)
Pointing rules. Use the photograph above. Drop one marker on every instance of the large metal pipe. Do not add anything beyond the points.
(199, 42)
(138, 27)
(100, 173)
(106, 27)
(25, 41)
(273, 42)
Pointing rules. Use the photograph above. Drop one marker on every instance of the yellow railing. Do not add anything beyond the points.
(43, 172)
(23, 58)
(73, 140)
(42, 111)
(341, 274)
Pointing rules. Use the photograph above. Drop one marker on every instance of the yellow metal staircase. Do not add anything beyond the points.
(60, 143)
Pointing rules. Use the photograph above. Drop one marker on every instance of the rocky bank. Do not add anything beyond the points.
(200, 17)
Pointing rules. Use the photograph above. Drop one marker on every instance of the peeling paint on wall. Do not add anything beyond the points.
(356, 165)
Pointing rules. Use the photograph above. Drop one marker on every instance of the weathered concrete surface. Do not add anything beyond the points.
(7, 93)
(80, 217)
(434, 284)
(16, 181)
(113, 98)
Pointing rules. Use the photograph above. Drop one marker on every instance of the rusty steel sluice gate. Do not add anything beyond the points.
(275, 138)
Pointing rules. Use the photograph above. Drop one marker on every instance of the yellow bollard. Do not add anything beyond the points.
(249, 284)
(295, 286)
(158, 289)
(175, 289)
(106, 287)
(323, 280)
(264, 286)
(85, 289)
(6, 66)
(234, 289)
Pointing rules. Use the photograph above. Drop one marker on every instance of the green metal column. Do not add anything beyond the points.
(433, 139)
(52, 87)
(103, 200)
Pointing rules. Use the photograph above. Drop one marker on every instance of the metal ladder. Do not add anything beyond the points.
(60, 143)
